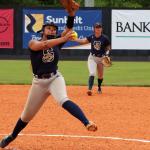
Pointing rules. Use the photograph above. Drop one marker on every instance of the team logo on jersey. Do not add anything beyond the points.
(48, 55)
(97, 45)
(33, 22)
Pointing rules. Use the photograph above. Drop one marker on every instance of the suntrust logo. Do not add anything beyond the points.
(33, 22)
(63, 20)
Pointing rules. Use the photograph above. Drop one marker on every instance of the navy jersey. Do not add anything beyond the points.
(98, 45)
(45, 61)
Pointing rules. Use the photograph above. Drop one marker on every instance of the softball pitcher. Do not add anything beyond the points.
(100, 46)
(47, 79)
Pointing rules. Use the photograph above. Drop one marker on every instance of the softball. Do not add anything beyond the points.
(74, 35)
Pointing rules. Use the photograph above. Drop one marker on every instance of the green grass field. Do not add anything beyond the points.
(76, 73)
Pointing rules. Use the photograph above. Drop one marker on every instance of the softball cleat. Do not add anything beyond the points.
(6, 140)
(89, 92)
(99, 91)
(91, 126)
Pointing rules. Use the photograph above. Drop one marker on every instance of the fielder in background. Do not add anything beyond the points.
(100, 46)
(47, 79)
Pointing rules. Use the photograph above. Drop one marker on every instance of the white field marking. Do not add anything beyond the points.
(85, 137)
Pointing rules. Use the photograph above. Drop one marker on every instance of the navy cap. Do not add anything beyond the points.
(48, 24)
(98, 25)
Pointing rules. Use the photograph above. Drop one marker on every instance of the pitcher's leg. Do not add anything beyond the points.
(36, 97)
(58, 90)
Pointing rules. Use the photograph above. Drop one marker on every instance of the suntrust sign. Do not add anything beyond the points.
(131, 29)
(33, 19)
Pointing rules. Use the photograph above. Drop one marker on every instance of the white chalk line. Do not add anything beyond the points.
(85, 137)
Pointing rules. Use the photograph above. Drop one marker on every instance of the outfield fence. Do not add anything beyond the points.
(15, 31)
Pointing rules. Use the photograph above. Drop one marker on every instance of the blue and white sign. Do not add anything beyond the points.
(33, 20)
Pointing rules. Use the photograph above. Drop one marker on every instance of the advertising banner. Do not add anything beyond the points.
(131, 29)
(33, 20)
(6, 28)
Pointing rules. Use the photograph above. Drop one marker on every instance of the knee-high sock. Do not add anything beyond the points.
(91, 82)
(20, 125)
(75, 110)
(99, 82)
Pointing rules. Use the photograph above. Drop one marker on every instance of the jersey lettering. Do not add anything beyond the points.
(48, 55)
(97, 45)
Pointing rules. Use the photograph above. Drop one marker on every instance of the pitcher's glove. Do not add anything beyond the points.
(69, 5)
(106, 61)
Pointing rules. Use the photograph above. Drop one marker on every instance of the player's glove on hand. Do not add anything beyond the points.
(106, 61)
(69, 5)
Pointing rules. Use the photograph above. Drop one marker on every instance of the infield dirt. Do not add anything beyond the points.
(122, 112)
